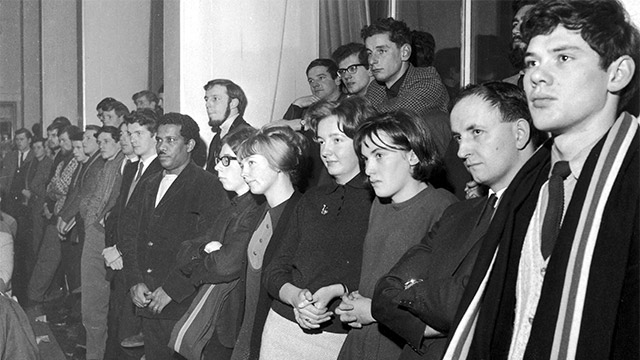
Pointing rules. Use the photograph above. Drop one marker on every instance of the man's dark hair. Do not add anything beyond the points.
(95, 128)
(58, 124)
(399, 32)
(103, 103)
(38, 139)
(510, 101)
(407, 132)
(344, 51)
(114, 131)
(423, 47)
(150, 95)
(233, 91)
(144, 117)
(189, 129)
(332, 67)
(602, 24)
(120, 108)
(517, 4)
(75, 133)
(24, 131)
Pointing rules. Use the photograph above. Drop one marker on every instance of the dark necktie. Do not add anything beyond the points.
(555, 207)
(135, 181)
(487, 211)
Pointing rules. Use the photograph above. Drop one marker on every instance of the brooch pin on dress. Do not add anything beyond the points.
(325, 209)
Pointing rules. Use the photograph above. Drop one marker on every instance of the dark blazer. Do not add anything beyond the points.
(214, 147)
(16, 180)
(443, 261)
(37, 175)
(151, 235)
(85, 185)
(113, 225)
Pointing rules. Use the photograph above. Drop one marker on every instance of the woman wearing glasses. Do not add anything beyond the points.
(217, 257)
(272, 164)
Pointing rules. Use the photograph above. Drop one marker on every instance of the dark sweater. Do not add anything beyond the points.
(322, 245)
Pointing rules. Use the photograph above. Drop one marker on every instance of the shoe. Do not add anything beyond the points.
(144, 357)
(133, 341)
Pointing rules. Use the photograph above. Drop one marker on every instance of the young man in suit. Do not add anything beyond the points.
(558, 273)
(125, 327)
(225, 102)
(419, 296)
(178, 203)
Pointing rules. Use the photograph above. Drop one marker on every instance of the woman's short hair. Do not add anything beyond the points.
(284, 149)
(351, 112)
(407, 132)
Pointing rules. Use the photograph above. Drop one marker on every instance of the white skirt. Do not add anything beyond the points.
(284, 339)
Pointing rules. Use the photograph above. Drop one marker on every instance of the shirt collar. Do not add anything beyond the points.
(394, 90)
(226, 125)
(146, 162)
(577, 162)
(358, 182)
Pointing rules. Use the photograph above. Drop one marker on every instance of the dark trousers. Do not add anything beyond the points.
(156, 337)
(122, 321)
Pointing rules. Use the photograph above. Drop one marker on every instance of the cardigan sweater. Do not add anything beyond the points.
(322, 245)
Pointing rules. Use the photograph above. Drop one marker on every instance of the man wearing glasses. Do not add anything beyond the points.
(353, 68)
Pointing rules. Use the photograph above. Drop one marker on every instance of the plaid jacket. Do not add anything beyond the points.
(421, 92)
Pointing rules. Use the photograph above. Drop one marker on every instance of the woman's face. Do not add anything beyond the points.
(336, 150)
(231, 175)
(258, 173)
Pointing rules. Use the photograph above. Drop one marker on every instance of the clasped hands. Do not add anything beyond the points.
(311, 310)
(155, 300)
(355, 310)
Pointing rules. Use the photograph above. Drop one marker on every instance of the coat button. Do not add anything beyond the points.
(149, 271)
(150, 244)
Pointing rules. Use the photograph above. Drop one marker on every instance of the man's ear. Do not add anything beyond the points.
(233, 104)
(522, 130)
(413, 158)
(337, 80)
(405, 52)
(190, 145)
(620, 73)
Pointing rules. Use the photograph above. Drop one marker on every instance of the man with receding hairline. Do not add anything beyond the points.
(558, 270)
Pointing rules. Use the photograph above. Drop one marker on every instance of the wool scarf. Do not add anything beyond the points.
(584, 290)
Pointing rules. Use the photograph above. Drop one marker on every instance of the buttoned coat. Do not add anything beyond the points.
(152, 234)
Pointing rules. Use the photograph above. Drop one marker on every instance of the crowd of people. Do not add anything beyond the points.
(378, 219)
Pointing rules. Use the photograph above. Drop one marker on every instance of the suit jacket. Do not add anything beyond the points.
(114, 222)
(84, 187)
(152, 235)
(421, 92)
(16, 179)
(214, 147)
(443, 261)
(38, 176)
